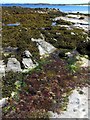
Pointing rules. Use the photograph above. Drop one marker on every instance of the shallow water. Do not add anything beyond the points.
(13, 24)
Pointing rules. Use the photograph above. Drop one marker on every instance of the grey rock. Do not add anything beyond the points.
(2, 68)
(13, 65)
(27, 54)
(10, 49)
(28, 63)
(3, 102)
(43, 46)
(72, 54)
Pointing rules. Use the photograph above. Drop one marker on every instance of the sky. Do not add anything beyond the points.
(45, 1)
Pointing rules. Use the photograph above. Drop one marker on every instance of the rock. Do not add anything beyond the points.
(72, 54)
(86, 56)
(14, 65)
(10, 49)
(3, 102)
(44, 47)
(72, 33)
(83, 24)
(84, 62)
(69, 54)
(28, 63)
(75, 52)
(53, 23)
(13, 94)
(78, 57)
(47, 47)
(41, 50)
(27, 54)
(2, 68)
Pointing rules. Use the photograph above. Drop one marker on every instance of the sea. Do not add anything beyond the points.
(64, 8)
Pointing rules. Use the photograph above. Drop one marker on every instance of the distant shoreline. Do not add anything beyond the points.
(43, 4)
(66, 8)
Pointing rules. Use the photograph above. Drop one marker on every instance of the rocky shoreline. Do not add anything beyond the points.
(49, 58)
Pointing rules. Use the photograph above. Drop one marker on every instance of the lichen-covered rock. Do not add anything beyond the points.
(13, 65)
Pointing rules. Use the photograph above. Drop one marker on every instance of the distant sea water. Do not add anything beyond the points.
(64, 8)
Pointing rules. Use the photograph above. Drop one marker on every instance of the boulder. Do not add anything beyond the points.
(13, 65)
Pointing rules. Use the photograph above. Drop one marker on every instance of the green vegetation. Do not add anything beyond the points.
(63, 22)
(72, 66)
(64, 37)
(32, 24)
(8, 83)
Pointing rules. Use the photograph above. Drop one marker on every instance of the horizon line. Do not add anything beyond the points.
(45, 3)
